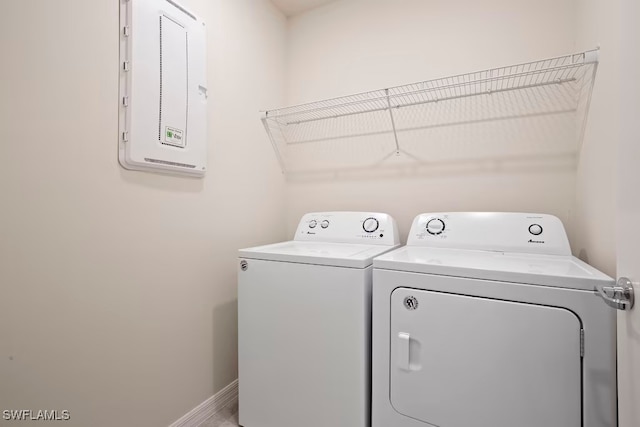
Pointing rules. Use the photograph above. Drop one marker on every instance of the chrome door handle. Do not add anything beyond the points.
(620, 296)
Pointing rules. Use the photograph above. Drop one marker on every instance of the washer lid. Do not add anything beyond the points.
(544, 270)
(318, 253)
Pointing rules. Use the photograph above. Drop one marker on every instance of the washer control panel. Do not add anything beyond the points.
(491, 231)
(348, 227)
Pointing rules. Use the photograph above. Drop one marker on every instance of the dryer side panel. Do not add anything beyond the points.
(459, 361)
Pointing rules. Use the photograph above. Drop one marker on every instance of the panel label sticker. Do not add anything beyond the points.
(173, 136)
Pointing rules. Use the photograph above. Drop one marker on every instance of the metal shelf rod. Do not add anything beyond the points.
(428, 101)
(536, 72)
(586, 57)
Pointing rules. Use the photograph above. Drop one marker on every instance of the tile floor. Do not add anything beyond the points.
(227, 417)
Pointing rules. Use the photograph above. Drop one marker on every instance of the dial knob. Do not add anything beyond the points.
(313, 223)
(324, 224)
(535, 229)
(370, 225)
(435, 226)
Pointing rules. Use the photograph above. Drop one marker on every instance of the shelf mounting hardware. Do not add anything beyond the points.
(393, 123)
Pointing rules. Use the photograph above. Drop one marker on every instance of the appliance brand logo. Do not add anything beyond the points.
(411, 302)
(536, 241)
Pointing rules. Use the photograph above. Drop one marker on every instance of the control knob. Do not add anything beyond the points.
(435, 226)
(535, 229)
(370, 225)
(313, 223)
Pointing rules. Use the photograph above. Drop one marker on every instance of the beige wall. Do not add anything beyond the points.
(118, 288)
(593, 216)
(357, 45)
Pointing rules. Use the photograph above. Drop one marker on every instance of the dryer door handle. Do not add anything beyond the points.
(403, 350)
(620, 296)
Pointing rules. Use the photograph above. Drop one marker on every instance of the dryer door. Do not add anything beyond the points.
(459, 361)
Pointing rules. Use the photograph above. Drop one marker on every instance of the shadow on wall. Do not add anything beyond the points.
(583, 255)
(474, 167)
(163, 182)
(225, 339)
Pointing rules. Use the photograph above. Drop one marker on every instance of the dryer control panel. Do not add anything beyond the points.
(491, 231)
(348, 227)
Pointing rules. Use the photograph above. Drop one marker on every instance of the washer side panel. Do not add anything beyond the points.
(303, 345)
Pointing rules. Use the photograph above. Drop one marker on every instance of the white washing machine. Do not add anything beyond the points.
(486, 320)
(304, 323)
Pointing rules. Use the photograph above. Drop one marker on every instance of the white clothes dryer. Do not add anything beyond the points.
(486, 320)
(304, 322)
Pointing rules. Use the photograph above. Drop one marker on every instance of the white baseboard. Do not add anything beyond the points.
(209, 407)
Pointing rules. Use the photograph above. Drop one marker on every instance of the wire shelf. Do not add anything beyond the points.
(535, 108)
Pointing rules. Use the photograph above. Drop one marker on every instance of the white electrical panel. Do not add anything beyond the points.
(163, 88)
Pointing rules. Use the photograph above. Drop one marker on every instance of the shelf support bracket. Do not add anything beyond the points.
(393, 122)
(264, 116)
